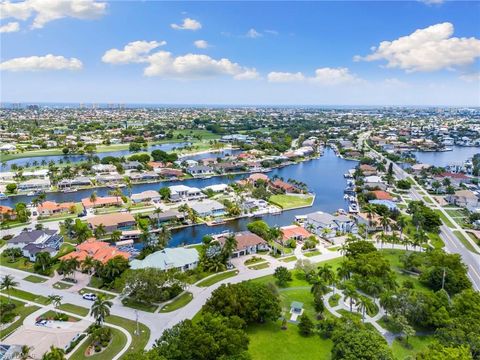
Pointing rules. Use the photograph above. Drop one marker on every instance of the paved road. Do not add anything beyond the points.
(452, 243)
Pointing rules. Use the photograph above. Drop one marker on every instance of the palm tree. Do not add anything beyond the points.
(87, 264)
(163, 237)
(100, 309)
(128, 182)
(7, 283)
(369, 209)
(229, 247)
(343, 272)
(93, 198)
(100, 231)
(326, 273)
(350, 293)
(54, 354)
(388, 301)
(43, 259)
(157, 212)
(401, 223)
(365, 304)
(56, 300)
(116, 235)
(24, 353)
(419, 238)
(384, 222)
(116, 192)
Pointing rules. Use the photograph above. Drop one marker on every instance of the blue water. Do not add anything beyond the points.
(444, 158)
(323, 176)
(78, 158)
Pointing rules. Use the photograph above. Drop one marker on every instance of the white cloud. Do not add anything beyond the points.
(188, 24)
(44, 11)
(38, 63)
(429, 49)
(253, 34)
(276, 76)
(10, 27)
(193, 66)
(323, 76)
(471, 77)
(133, 52)
(201, 44)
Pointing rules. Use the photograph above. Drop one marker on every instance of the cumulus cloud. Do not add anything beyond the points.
(10, 27)
(323, 76)
(192, 66)
(188, 24)
(429, 49)
(133, 52)
(279, 77)
(201, 44)
(253, 34)
(38, 63)
(44, 11)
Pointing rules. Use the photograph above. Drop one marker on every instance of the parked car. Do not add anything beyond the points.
(90, 296)
(41, 322)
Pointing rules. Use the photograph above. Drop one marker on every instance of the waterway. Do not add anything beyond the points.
(78, 158)
(323, 176)
(443, 158)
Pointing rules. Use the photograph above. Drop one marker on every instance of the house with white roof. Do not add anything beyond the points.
(327, 225)
(182, 192)
(182, 259)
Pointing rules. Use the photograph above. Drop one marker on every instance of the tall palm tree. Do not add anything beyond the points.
(56, 300)
(116, 192)
(116, 236)
(93, 198)
(350, 293)
(100, 309)
(384, 222)
(7, 283)
(24, 353)
(327, 274)
(54, 354)
(369, 209)
(365, 304)
(100, 231)
(157, 212)
(401, 223)
(388, 301)
(87, 264)
(43, 259)
(128, 182)
(163, 237)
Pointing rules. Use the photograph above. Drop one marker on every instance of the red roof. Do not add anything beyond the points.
(382, 195)
(99, 250)
(294, 231)
(454, 175)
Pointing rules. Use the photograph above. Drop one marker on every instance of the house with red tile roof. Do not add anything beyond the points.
(98, 250)
(294, 232)
(284, 186)
(382, 195)
(102, 202)
(51, 207)
(7, 213)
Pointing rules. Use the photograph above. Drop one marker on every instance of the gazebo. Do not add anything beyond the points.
(296, 310)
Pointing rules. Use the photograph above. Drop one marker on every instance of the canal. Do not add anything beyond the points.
(443, 158)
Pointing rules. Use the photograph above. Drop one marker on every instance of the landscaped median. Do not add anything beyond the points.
(216, 278)
(21, 311)
(177, 303)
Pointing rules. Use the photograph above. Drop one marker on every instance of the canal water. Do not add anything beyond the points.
(323, 176)
(78, 158)
(458, 155)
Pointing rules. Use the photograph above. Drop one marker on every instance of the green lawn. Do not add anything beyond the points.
(20, 264)
(21, 310)
(288, 259)
(98, 293)
(178, 303)
(64, 249)
(21, 294)
(465, 241)
(260, 266)
(268, 341)
(117, 343)
(456, 213)
(216, 278)
(312, 253)
(139, 341)
(74, 309)
(444, 218)
(427, 200)
(61, 285)
(35, 279)
(415, 344)
(138, 305)
(290, 201)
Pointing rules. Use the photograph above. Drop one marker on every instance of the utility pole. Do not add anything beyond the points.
(137, 331)
(443, 278)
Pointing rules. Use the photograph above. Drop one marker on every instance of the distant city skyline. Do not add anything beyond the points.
(390, 53)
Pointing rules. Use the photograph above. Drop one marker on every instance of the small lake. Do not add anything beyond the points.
(443, 158)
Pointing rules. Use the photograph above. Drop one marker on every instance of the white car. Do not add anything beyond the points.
(90, 296)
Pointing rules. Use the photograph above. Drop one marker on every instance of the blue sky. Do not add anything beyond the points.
(273, 52)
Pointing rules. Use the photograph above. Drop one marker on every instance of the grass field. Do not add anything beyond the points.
(21, 294)
(403, 352)
(260, 266)
(139, 341)
(268, 341)
(74, 309)
(290, 201)
(465, 241)
(20, 264)
(116, 344)
(35, 279)
(216, 278)
(22, 311)
(178, 303)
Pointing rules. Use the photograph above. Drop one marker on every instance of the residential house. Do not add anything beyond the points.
(207, 207)
(49, 208)
(32, 242)
(327, 225)
(373, 181)
(182, 192)
(169, 173)
(75, 182)
(102, 202)
(382, 195)
(35, 185)
(103, 168)
(294, 232)
(98, 250)
(199, 170)
(169, 215)
(284, 186)
(182, 259)
(112, 222)
(7, 213)
(146, 196)
(464, 198)
(368, 170)
(456, 179)
(216, 188)
(247, 243)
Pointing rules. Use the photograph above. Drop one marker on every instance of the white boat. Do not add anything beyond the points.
(31, 193)
(3, 196)
(345, 197)
(69, 190)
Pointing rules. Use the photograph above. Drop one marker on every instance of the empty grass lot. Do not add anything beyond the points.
(216, 278)
(178, 303)
(290, 201)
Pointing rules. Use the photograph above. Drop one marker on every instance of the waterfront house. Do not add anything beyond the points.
(49, 208)
(182, 192)
(102, 202)
(7, 213)
(456, 179)
(32, 242)
(131, 165)
(78, 181)
(169, 215)
(216, 188)
(103, 168)
(226, 167)
(112, 178)
(368, 170)
(283, 186)
(464, 198)
(98, 250)
(207, 207)
(169, 173)
(34, 185)
(247, 243)
(112, 222)
(382, 195)
(327, 225)
(253, 178)
(294, 232)
(182, 259)
(373, 181)
(199, 170)
(146, 196)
